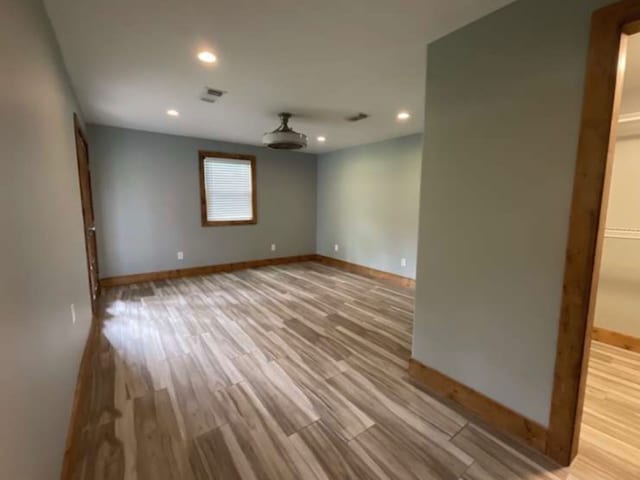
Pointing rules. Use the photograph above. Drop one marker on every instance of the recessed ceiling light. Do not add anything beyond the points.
(207, 57)
(322, 139)
(404, 116)
(173, 113)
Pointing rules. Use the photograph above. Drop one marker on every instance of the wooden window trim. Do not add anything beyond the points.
(202, 155)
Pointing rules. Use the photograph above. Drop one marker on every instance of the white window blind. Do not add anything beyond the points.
(228, 189)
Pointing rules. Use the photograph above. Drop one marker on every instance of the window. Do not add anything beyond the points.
(227, 189)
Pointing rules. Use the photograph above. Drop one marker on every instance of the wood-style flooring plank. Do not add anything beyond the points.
(336, 411)
(286, 403)
(409, 432)
(493, 459)
(336, 458)
(158, 442)
(299, 372)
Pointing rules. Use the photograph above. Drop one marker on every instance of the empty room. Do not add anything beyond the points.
(319, 240)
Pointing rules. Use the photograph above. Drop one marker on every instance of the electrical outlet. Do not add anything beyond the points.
(273, 247)
(403, 262)
(336, 247)
(73, 313)
(180, 255)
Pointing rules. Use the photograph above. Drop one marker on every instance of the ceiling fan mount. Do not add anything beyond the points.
(284, 137)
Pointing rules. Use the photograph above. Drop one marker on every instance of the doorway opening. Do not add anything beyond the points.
(86, 198)
(582, 398)
(612, 393)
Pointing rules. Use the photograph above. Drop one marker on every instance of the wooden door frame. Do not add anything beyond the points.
(603, 90)
(80, 136)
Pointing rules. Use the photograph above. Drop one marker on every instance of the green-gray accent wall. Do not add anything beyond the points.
(503, 104)
(368, 200)
(147, 203)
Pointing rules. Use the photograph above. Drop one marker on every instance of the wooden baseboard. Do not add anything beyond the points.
(616, 339)
(489, 411)
(229, 267)
(81, 400)
(367, 272)
(195, 271)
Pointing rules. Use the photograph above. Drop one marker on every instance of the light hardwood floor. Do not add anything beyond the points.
(610, 436)
(299, 372)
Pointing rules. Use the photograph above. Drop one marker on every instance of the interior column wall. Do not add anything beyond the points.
(502, 124)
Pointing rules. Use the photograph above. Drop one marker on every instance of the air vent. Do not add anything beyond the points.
(211, 94)
(357, 118)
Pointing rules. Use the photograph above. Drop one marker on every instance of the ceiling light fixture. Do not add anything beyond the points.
(322, 139)
(284, 137)
(404, 116)
(207, 57)
(173, 113)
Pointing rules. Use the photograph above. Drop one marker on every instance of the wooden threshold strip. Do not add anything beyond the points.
(494, 414)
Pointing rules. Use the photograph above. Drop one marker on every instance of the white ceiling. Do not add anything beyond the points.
(131, 60)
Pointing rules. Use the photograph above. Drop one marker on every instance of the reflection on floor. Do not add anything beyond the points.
(292, 372)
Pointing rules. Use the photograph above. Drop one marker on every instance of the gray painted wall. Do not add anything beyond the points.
(147, 201)
(618, 299)
(44, 267)
(368, 200)
(503, 104)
